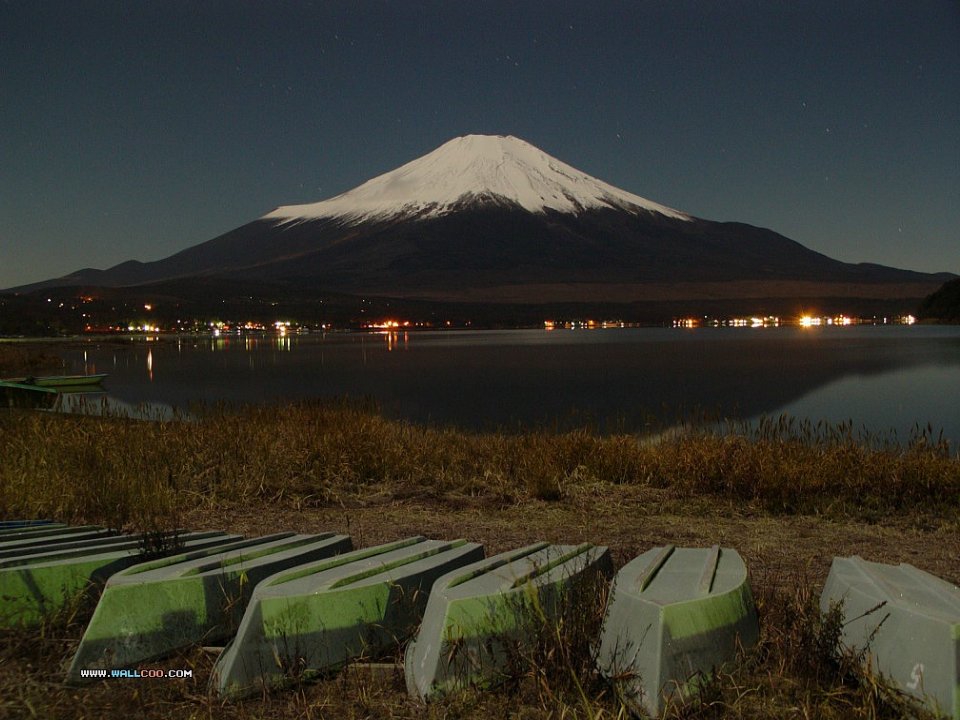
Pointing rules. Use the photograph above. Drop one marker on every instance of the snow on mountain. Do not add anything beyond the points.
(483, 168)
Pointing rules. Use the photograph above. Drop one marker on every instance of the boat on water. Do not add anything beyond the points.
(15, 394)
(674, 615)
(42, 391)
(905, 622)
(64, 381)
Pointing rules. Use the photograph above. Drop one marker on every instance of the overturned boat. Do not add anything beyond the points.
(41, 580)
(906, 624)
(319, 616)
(151, 609)
(480, 615)
(674, 615)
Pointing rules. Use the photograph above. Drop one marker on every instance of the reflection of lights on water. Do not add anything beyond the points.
(150, 364)
(90, 368)
(393, 339)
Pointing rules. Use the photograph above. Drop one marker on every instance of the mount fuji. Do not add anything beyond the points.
(493, 219)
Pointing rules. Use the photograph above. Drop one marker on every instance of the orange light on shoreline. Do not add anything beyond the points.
(385, 325)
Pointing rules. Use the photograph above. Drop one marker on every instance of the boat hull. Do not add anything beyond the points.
(149, 611)
(906, 623)
(26, 396)
(674, 615)
(321, 616)
(38, 584)
(480, 616)
(22, 524)
(59, 381)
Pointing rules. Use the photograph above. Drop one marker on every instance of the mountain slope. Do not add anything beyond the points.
(480, 214)
(942, 305)
(472, 170)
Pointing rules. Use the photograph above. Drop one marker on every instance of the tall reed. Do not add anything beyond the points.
(125, 471)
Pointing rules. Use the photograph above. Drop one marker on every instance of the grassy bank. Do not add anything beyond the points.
(786, 495)
(119, 471)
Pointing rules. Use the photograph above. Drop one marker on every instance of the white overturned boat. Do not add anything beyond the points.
(476, 612)
(151, 609)
(674, 614)
(319, 616)
(906, 621)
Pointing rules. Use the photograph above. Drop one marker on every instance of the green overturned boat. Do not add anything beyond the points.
(674, 615)
(40, 534)
(23, 524)
(320, 616)
(55, 543)
(478, 614)
(907, 624)
(154, 608)
(34, 585)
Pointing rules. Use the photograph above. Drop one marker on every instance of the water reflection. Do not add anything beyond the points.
(102, 404)
(917, 395)
(395, 339)
(613, 380)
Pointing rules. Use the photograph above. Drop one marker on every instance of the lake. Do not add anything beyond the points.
(886, 379)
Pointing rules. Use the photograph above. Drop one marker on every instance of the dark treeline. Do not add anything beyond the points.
(194, 303)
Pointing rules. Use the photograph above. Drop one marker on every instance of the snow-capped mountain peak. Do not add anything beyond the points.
(482, 168)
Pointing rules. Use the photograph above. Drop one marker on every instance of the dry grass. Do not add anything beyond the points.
(122, 472)
(787, 496)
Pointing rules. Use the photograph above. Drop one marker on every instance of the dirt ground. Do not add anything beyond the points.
(631, 523)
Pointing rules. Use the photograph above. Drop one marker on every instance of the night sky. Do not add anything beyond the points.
(132, 130)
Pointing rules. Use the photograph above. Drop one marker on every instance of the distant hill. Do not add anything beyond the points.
(942, 305)
(495, 220)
